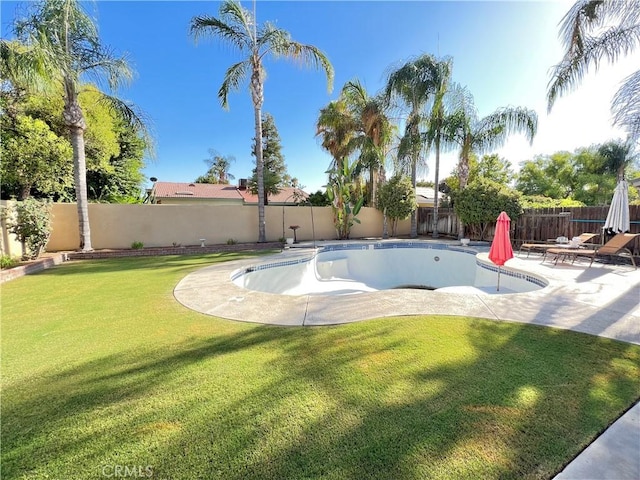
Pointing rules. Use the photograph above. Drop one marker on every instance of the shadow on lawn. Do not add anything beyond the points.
(356, 401)
(493, 416)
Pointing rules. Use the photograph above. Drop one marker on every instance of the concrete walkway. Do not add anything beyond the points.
(602, 300)
(614, 455)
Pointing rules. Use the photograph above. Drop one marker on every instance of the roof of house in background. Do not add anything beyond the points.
(222, 191)
(425, 195)
(195, 190)
(286, 195)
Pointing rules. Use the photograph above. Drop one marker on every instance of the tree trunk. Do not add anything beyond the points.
(385, 232)
(414, 213)
(372, 192)
(25, 192)
(463, 177)
(257, 95)
(80, 177)
(74, 119)
(435, 194)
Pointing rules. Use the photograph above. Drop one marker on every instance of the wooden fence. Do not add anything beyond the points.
(537, 225)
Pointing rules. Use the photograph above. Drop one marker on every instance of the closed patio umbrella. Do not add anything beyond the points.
(618, 217)
(501, 249)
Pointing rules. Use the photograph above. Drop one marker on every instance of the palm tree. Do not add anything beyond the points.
(373, 131)
(593, 31)
(218, 171)
(441, 75)
(238, 27)
(413, 84)
(59, 44)
(482, 135)
(337, 127)
(617, 155)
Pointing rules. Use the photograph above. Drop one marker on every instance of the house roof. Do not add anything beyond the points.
(425, 195)
(221, 191)
(286, 195)
(195, 190)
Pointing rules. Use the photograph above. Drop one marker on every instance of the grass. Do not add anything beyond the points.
(103, 370)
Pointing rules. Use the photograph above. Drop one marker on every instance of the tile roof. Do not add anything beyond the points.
(195, 190)
(286, 195)
(218, 190)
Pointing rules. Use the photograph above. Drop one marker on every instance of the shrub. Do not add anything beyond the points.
(30, 222)
(540, 201)
(231, 241)
(482, 201)
(396, 199)
(137, 245)
(318, 199)
(7, 261)
(345, 197)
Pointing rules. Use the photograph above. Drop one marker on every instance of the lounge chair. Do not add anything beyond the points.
(542, 247)
(614, 247)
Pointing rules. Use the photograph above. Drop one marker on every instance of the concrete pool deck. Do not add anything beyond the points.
(602, 300)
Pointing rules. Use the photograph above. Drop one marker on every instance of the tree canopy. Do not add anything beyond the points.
(275, 169)
(588, 175)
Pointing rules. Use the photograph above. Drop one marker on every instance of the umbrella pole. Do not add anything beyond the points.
(498, 289)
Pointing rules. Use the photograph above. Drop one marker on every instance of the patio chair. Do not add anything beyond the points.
(584, 237)
(617, 246)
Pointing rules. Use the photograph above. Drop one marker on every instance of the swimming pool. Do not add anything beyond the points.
(348, 268)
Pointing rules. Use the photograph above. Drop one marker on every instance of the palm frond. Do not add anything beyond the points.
(593, 31)
(354, 93)
(278, 43)
(233, 12)
(626, 107)
(609, 46)
(459, 99)
(234, 75)
(493, 130)
(102, 63)
(587, 16)
(206, 25)
(412, 82)
(24, 67)
(132, 116)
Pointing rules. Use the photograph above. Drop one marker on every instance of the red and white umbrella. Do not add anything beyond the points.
(501, 249)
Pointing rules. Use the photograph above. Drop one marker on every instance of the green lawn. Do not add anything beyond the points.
(102, 369)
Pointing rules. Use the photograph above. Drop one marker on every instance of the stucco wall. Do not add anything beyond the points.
(10, 246)
(118, 226)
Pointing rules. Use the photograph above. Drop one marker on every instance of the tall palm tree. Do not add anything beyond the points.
(59, 44)
(373, 131)
(483, 135)
(441, 76)
(337, 127)
(412, 85)
(238, 27)
(593, 31)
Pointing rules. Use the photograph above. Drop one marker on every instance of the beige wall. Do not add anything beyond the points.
(10, 246)
(118, 226)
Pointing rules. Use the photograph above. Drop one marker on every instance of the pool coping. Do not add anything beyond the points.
(601, 300)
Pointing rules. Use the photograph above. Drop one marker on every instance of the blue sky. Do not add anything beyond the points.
(502, 51)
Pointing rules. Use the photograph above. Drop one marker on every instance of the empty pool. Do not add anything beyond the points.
(354, 268)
